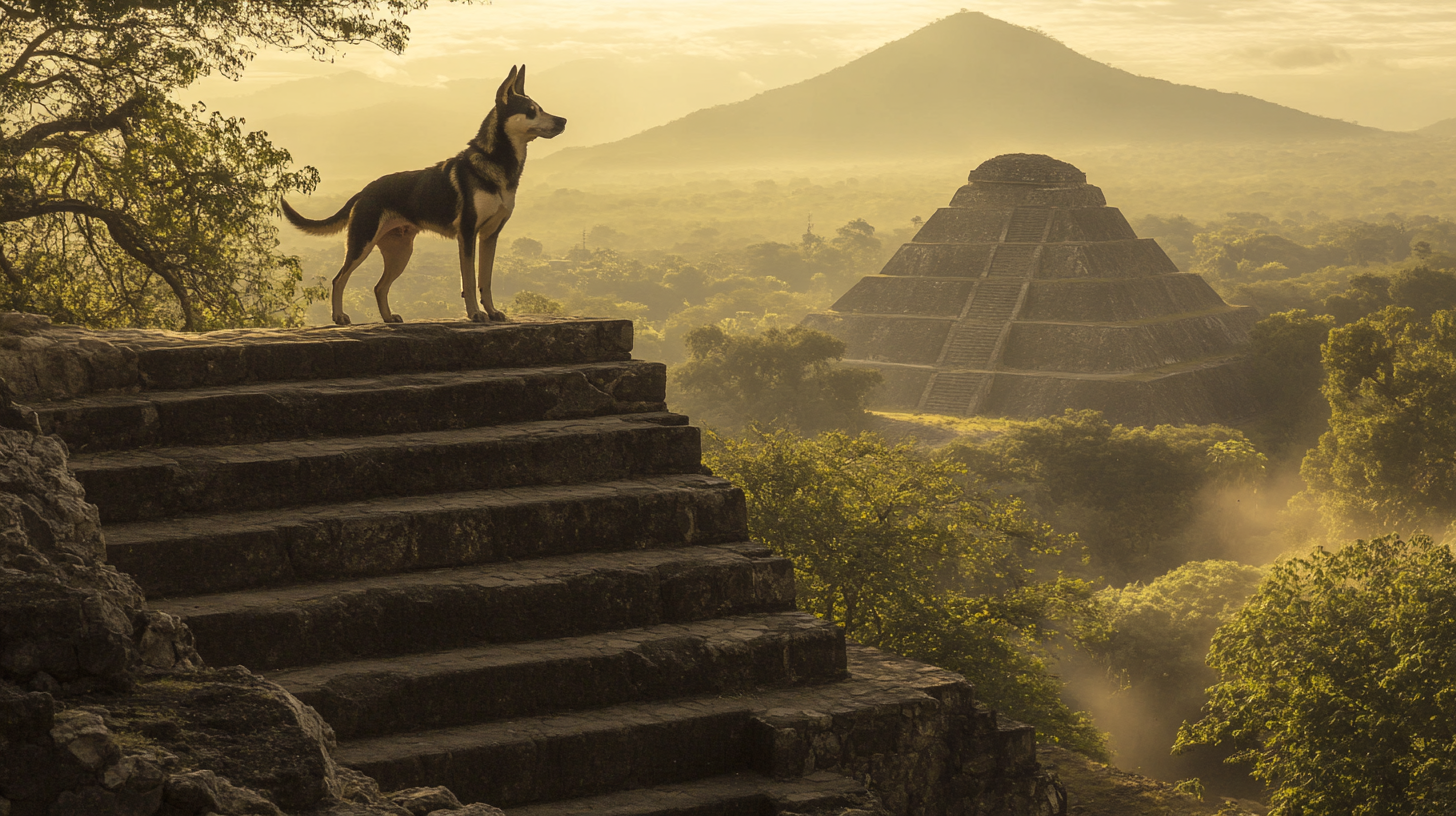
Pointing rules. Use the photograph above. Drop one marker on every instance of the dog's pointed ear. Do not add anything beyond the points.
(504, 93)
(521, 81)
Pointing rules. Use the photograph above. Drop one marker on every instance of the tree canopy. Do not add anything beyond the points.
(119, 206)
(782, 378)
(1336, 682)
(1127, 492)
(895, 546)
(1388, 460)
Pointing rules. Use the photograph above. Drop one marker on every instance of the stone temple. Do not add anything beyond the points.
(1028, 295)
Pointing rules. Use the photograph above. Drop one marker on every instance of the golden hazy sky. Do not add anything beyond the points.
(1386, 63)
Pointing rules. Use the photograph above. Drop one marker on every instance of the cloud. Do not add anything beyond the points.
(1290, 57)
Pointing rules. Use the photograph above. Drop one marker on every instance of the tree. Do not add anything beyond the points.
(782, 378)
(119, 206)
(1336, 684)
(1160, 631)
(527, 302)
(1158, 639)
(1424, 290)
(892, 545)
(1128, 492)
(528, 248)
(1388, 460)
(1288, 372)
(1365, 294)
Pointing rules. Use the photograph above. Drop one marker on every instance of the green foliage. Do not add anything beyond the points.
(528, 248)
(1160, 631)
(121, 207)
(1288, 372)
(1388, 460)
(526, 302)
(891, 544)
(1190, 787)
(780, 378)
(1335, 682)
(1128, 492)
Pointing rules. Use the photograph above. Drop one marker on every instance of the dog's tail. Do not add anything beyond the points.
(327, 226)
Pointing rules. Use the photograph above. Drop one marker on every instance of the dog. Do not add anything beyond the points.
(469, 198)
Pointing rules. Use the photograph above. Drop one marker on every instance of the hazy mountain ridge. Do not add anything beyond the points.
(964, 84)
(1445, 127)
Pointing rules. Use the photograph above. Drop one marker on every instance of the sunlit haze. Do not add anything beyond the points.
(1388, 64)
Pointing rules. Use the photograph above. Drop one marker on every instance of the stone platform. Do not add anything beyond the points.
(490, 558)
(1028, 296)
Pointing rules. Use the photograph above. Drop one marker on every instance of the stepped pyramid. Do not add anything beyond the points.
(1028, 295)
(491, 559)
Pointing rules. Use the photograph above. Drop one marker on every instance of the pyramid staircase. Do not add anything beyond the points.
(491, 559)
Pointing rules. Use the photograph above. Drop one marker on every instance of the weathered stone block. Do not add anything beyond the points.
(152, 484)
(1107, 348)
(912, 340)
(419, 612)
(906, 295)
(1118, 301)
(955, 225)
(357, 407)
(386, 535)
(940, 260)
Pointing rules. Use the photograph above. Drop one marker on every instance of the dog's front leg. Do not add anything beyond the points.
(487, 267)
(467, 278)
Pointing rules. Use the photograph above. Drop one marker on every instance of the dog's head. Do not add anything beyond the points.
(523, 118)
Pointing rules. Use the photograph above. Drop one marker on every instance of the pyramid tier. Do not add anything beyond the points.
(967, 225)
(1121, 259)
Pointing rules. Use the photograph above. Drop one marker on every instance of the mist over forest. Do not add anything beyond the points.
(1124, 589)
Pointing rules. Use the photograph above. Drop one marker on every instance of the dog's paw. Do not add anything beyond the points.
(479, 317)
(341, 319)
(394, 319)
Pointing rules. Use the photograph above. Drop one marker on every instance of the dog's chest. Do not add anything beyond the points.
(493, 208)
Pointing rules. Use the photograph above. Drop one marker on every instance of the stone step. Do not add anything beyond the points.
(226, 552)
(399, 403)
(1014, 260)
(169, 361)
(161, 482)
(419, 612)
(1027, 224)
(733, 655)
(737, 794)
(972, 346)
(565, 756)
(956, 394)
(889, 707)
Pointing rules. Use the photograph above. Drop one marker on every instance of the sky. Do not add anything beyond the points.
(1385, 63)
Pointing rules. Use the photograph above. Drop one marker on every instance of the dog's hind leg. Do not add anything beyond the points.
(341, 280)
(361, 242)
(396, 246)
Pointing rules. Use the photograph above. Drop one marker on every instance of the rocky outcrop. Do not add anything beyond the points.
(69, 622)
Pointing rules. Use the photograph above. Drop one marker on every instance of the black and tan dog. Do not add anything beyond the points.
(468, 198)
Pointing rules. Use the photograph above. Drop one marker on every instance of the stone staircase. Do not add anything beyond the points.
(490, 558)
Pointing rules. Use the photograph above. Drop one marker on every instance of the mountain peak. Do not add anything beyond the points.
(967, 83)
